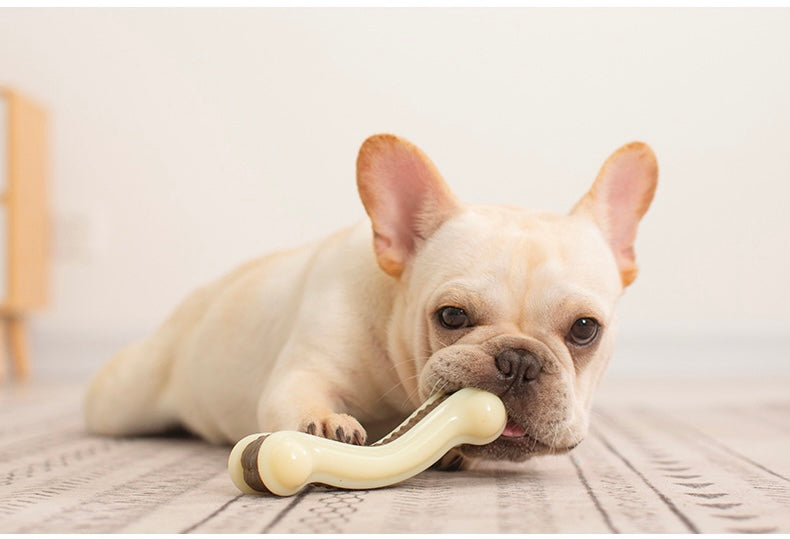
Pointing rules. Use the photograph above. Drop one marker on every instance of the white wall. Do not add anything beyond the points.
(186, 141)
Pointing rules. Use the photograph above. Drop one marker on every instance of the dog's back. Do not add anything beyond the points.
(207, 365)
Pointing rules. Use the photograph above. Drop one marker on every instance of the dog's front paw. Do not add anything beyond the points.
(340, 427)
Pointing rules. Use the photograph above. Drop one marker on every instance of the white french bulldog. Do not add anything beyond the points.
(346, 336)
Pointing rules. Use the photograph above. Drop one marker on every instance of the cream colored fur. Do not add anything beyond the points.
(340, 337)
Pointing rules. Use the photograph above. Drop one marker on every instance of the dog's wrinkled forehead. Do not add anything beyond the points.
(513, 252)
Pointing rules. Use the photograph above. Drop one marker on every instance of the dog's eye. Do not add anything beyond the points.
(584, 331)
(453, 317)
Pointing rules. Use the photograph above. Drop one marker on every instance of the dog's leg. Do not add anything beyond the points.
(131, 393)
(305, 404)
(128, 395)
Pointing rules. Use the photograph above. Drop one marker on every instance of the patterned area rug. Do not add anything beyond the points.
(671, 458)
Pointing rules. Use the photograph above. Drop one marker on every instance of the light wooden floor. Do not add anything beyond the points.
(671, 456)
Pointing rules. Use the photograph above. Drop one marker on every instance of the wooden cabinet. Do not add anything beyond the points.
(24, 222)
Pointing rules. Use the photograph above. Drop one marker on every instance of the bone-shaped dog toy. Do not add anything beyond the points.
(284, 462)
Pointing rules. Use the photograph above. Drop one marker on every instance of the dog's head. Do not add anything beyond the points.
(514, 302)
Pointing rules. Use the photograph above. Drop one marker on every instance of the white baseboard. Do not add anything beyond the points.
(720, 354)
(75, 355)
(745, 350)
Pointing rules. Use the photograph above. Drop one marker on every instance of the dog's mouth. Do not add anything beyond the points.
(513, 430)
(515, 443)
(518, 438)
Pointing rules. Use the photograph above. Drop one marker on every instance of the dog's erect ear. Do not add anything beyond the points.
(619, 197)
(404, 195)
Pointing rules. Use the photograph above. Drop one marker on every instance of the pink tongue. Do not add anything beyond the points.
(513, 430)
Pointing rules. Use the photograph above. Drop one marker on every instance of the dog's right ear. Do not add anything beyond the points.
(404, 195)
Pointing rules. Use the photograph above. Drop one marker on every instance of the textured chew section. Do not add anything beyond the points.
(249, 464)
(285, 462)
(427, 407)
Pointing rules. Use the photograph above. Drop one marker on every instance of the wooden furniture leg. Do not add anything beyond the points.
(3, 347)
(20, 354)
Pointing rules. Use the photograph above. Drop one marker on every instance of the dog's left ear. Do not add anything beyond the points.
(619, 197)
(405, 197)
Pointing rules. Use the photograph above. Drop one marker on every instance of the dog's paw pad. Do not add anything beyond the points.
(340, 427)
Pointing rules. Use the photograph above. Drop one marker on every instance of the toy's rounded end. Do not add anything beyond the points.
(485, 414)
(235, 467)
(285, 464)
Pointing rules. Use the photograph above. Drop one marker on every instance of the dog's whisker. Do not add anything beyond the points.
(556, 435)
(399, 384)
(438, 386)
(395, 364)
(390, 390)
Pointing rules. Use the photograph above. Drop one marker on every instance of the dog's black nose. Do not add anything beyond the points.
(517, 365)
